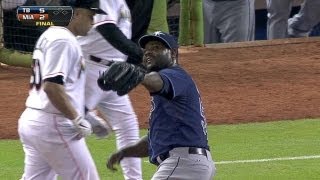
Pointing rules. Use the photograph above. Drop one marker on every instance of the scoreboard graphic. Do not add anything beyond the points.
(44, 15)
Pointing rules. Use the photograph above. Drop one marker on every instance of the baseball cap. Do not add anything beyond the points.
(92, 5)
(167, 39)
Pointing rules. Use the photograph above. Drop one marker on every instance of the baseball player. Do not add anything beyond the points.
(228, 21)
(177, 136)
(301, 24)
(278, 25)
(107, 42)
(52, 126)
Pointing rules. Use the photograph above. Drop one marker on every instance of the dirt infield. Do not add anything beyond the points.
(248, 84)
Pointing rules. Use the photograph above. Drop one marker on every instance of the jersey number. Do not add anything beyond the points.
(35, 80)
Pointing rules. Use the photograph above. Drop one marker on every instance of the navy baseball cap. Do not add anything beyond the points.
(167, 39)
(92, 5)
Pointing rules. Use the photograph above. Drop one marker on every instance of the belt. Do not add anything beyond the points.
(191, 150)
(101, 61)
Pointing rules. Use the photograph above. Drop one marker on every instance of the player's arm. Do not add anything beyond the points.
(122, 77)
(139, 149)
(56, 93)
(158, 84)
(152, 82)
(119, 41)
(58, 63)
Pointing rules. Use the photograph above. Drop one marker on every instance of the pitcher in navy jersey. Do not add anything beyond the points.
(177, 138)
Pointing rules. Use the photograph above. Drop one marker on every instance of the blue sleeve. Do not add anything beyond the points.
(174, 83)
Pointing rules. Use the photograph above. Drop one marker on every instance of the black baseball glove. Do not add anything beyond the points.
(121, 77)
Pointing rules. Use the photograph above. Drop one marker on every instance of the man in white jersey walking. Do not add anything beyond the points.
(52, 128)
(109, 41)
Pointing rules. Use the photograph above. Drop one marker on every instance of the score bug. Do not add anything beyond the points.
(44, 15)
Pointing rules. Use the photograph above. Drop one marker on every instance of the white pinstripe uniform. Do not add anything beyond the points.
(118, 109)
(50, 141)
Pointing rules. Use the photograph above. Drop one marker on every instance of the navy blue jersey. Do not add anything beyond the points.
(176, 117)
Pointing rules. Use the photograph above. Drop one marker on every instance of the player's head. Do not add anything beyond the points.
(82, 19)
(160, 51)
(92, 5)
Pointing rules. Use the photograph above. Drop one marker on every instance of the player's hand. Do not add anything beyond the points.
(99, 126)
(114, 159)
(83, 126)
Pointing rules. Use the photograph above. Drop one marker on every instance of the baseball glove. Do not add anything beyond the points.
(121, 77)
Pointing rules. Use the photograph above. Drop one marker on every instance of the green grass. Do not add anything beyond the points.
(228, 143)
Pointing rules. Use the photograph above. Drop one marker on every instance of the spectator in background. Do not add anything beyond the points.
(141, 15)
(228, 21)
(278, 25)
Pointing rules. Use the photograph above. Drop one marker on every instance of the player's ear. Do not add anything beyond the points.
(76, 13)
(174, 55)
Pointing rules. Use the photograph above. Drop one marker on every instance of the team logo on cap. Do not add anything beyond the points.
(158, 33)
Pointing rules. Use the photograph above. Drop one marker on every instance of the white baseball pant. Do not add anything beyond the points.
(120, 113)
(52, 147)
